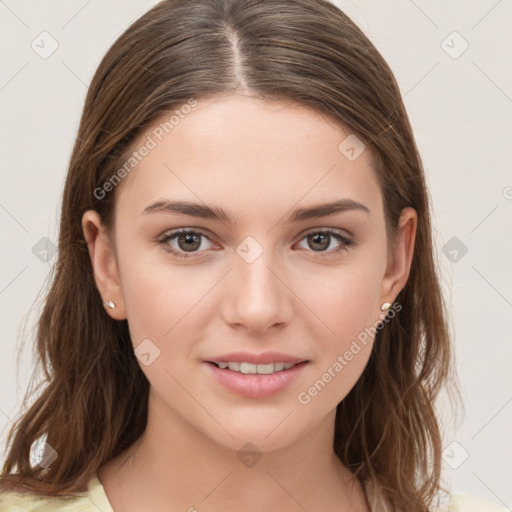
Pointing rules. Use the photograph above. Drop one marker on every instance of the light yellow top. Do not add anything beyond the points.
(95, 500)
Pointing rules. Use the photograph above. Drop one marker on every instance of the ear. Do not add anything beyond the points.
(104, 263)
(399, 259)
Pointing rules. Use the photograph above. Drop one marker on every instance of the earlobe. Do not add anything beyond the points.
(104, 263)
(399, 260)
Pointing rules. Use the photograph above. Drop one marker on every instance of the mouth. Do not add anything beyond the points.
(251, 380)
(256, 369)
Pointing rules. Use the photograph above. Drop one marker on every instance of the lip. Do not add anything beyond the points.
(263, 358)
(254, 385)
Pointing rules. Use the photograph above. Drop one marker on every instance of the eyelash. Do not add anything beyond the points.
(345, 242)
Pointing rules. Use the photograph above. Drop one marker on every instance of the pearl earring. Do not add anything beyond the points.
(109, 305)
(385, 306)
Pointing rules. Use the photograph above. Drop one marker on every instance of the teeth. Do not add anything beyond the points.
(249, 368)
(261, 369)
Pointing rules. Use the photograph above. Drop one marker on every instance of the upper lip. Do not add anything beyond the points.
(263, 358)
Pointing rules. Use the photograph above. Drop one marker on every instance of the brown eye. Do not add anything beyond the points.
(320, 241)
(186, 242)
(189, 241)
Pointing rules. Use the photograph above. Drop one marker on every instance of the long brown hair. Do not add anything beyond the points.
(94, 402)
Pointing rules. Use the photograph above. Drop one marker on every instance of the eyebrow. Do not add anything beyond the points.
(216, 213)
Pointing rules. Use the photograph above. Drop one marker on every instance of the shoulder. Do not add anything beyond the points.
(472, 503)
(456, 503)
(17, 502)
(91, 501)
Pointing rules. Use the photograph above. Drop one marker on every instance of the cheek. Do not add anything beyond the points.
(343, 336)
(162, 299)
(144, 281)
(346, 300)
(346, 304)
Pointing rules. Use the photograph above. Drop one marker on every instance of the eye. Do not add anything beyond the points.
(321, 240)
(187, 241)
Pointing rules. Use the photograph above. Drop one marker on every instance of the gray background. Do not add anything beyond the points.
(460, 106)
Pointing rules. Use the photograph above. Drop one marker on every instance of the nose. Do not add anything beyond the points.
(257, 295)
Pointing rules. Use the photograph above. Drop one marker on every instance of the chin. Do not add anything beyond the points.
(255, 440)
(275, 432)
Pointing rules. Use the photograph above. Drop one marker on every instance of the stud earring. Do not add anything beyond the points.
(109, 305)
(385, 306)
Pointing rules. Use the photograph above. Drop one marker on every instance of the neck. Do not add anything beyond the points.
(174, 464)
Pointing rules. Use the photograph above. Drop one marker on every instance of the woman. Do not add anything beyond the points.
(246, 312)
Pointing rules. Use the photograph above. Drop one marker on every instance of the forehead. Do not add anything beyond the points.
(241, 150)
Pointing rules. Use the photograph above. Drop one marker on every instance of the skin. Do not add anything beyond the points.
(259, 160)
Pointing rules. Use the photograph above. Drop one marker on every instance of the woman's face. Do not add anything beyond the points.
(263, 280)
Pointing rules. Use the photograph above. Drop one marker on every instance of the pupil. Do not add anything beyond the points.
(189, 238)
(318, 236)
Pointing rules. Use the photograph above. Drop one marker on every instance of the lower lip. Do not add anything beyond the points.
(254, 385)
